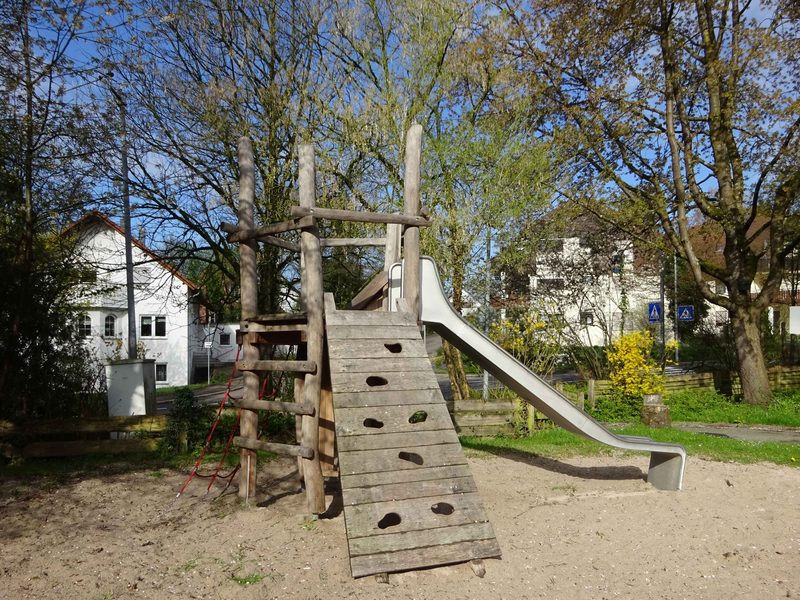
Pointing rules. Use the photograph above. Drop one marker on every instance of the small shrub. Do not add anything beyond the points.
(191, 416)
(614, 409)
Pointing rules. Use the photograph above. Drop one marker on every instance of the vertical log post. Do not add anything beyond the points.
(248, 424)
(394, 233)
(412, 206)
(311, 290)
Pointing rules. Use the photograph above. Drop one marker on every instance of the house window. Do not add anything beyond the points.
(720, 288)
(161, 373)
(147, 326)
(585, 242)
(224, 339)
(587, 318)
(721, 317)
(111, 326)
(85, 325)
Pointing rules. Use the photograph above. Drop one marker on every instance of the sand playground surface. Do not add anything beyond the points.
(585, 527)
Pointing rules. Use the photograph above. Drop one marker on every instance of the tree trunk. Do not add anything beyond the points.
(752, 368)
(455, 372)
(455, 364)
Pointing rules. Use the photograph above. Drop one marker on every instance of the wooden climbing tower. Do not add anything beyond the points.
(409, 498)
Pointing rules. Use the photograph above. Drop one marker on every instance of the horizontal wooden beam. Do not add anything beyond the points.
(296, 366)
(286, 449)
(359, 216)
(272, 319)
(85, 425)
(369, 291)
(259, 232)
(246, 327)
(273, 241)
(295, 408)
(84, 447)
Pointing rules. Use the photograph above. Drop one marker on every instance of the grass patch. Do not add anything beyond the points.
(561, 444)
(172, 389)
(188, 566)
(706, 406)
(248, 580)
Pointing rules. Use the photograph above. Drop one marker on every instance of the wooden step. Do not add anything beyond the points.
(296, 366)
(295, 408)
(286, 449)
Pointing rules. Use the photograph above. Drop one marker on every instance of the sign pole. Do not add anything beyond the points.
(662, 319)
(675, 301)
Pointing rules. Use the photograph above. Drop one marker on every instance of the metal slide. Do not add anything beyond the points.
(667, 461)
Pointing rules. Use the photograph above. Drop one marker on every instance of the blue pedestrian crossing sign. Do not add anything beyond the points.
(686, 313)
(654, 312)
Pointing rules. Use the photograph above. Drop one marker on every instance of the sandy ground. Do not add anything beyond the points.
(577, 528)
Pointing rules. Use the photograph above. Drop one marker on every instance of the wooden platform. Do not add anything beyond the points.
(409, 498)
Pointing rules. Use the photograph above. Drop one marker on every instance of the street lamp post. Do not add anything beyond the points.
(126, 207)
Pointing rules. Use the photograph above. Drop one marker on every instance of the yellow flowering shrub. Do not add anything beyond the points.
(633, 372)
(530, 340)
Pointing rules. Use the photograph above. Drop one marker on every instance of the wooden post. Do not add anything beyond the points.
(590, 393)
(248, 424)
(311, 289)
(394, 232)
(560, 386)
(411, 200)
(579, 401)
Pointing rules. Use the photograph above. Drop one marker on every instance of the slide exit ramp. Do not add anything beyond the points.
(667, 461)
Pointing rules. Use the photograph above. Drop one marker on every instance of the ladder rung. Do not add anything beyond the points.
(296, 408)
(287, 449)
(298, 317)
(248, 327)
(296, 366)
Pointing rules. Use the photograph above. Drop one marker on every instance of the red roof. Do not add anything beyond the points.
(97, 216)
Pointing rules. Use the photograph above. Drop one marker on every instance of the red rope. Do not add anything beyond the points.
(216, 422)
(207, 445)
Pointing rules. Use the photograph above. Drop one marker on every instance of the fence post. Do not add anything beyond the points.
(592, 399)
(579, 401)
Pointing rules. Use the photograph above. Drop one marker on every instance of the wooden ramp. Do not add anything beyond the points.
(409, 498)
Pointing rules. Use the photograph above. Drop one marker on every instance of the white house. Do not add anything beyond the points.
(585, 278)
(170, 309)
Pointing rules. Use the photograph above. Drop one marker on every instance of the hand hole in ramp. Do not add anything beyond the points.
(443, 508)
(394, 348)
(411, 457)
(418, 417)
(373, 423)
(389, 520)
(374, 381)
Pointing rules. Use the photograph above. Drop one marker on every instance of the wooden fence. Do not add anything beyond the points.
(23, 440)
(493, 416)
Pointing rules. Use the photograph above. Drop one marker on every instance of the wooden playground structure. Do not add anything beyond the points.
(368, 404)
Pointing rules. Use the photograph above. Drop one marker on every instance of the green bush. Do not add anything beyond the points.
(191, 416)
(615, 409)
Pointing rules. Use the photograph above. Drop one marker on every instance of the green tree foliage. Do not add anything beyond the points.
(45, 179)
(662, 113)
